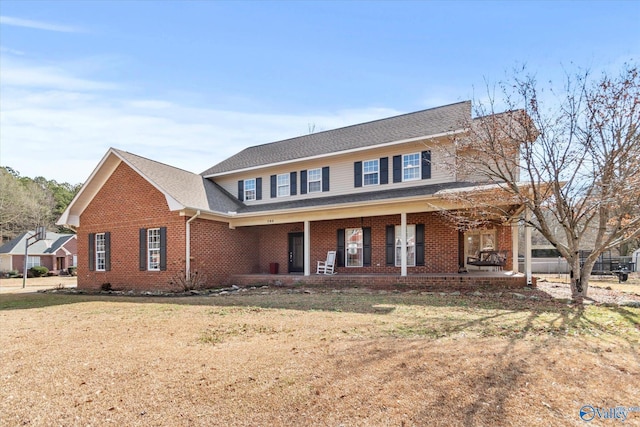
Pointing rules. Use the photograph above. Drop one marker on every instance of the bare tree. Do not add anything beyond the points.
(571, 157)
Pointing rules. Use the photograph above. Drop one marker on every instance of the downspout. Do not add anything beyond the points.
(188, 244)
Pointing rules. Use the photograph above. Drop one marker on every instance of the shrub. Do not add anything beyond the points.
(106, 287)
(39, 271)
(73, 271)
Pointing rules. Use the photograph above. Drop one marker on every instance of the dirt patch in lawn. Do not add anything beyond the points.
(333, 358)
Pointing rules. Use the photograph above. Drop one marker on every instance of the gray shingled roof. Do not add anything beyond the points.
(423, 190)
(16, 246)
(187, 188)
(421, 123)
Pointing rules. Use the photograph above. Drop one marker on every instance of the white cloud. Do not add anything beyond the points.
(59, 126)
(38, 25)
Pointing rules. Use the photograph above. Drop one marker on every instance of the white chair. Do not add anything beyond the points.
(328, 266)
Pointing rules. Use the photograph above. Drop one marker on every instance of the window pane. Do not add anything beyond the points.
(410, 246)
(249, 189)
(100, 252)
(411, 166)
(283, 185)
(153, 248)
(370, 172)
(354, 252)
(314, 180)
(315, 187)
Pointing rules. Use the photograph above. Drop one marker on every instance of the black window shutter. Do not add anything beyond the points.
(397, 168)
(366, 246)
(384, 170)
(390, 245)
(258, 188)
(241, 190)
(107, 251)
(293, 183)
(325, 178)
(340, 248)
(419, 244)
(303, 182)
(143, 248)
(426, 165)
(163, 248)
(92, 251)
(357, 174)
(274, 186)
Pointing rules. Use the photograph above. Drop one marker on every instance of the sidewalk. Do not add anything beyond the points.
(14, 286)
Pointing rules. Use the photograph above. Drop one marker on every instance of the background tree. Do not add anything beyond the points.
(578, 164)
(26, 203)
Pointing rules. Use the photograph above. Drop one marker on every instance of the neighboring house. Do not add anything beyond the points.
(357, 190)
(57, 252)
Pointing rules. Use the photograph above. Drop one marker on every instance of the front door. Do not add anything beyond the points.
(296, 252)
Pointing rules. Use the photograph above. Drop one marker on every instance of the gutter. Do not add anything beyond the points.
(188, 245)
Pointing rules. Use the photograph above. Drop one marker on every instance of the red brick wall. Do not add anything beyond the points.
(126, 203)
(441, 243)
(218, 251)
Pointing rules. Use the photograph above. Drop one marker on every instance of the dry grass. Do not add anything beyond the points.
(631, 286)
(351, 358)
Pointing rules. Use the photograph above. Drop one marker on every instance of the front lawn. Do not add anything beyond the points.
(352, 357)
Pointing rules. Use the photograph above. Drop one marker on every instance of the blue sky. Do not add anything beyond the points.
(191, 83)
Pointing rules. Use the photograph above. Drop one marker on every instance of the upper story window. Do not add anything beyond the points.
(371, 172)
(249, 189)
(153, 249)
(314, 180)
(411, 167)
(283, 185)
(101, 253)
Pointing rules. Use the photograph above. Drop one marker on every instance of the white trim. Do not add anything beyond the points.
(337, 153)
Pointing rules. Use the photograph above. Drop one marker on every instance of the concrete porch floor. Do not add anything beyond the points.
(433, 281)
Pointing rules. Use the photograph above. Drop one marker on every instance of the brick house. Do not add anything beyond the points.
(372, 192)
(57, 252)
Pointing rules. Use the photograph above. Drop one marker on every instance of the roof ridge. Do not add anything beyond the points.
(361, 124)
(153, 161)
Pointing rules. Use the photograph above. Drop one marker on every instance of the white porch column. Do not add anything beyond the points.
(403, 244)
(527, 245)
(307, 248)
(515, 241)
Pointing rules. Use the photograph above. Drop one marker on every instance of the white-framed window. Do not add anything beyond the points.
(33, 261)
(354, 250)
(410, 167)
(101, 252)
(370, 172)
(410, 246)
(75, 261)
(153, 249)
(283, 185)
(250, 189)
(314, 180)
